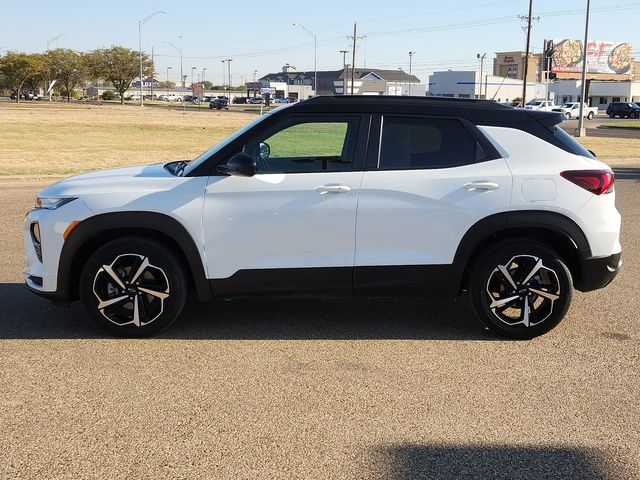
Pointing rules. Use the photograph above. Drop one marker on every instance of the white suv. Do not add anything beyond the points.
(355, 196)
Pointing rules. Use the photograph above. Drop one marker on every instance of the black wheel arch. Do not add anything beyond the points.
(95, 231)
(554, 229)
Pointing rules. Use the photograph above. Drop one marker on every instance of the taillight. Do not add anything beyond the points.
(595, 181)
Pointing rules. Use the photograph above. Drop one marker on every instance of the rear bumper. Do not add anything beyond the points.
(598, 272)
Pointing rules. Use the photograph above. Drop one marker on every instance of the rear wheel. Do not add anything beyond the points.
(612, 115)
(520, 289)
(133, 287)
(590, 115)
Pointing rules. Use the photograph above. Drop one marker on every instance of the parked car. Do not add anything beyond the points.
(239, 100)
(25, 96)
(572, 110)
(623, 110)
(219, 103)
(281, 100)
(546, 105)
(450, 196)
(171, 97)
(255, 100)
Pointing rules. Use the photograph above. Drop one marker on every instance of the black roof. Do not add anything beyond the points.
(479, 112)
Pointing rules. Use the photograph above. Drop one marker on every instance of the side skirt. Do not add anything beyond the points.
(426, 281)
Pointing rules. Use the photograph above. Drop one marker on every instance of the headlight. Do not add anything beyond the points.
(52, 203)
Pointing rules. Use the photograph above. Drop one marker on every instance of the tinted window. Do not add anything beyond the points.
(306, 145)
(573, 146)
(412, 143)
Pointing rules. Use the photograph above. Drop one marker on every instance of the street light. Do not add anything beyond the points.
(410, 75)
(140, 23)
(167, 89)
(192, 70)
(179, 50)
(315, 56)
(49, 42)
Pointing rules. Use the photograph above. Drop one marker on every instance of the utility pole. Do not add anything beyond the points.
(526, 55)
(344, 71)
(153, 72)
(581, 132)
(229, 60)
(354, 37)
(481, 58)
(140, 23)
(410, 75)
(255, 72)
(167, 89)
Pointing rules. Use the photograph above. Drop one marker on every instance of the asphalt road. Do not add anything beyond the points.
(598, 127)
(386, 388)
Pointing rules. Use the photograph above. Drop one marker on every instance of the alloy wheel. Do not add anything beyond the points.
(522, 291)
(130, 290)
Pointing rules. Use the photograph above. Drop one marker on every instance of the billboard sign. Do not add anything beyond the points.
(602, 57)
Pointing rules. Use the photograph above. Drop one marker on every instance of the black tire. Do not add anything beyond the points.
(590, 115)
(151, 285)
(612, 115)
(489, 286)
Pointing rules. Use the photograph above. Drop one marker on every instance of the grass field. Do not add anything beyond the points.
(40, 139)
(633, 124)
(56, 139)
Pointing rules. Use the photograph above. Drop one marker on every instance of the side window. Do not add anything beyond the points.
(418, 143)
(305, 145)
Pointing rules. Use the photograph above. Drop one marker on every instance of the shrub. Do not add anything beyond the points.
(108, 95)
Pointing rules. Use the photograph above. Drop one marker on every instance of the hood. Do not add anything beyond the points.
(128, 179)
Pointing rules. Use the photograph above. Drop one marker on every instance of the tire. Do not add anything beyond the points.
(548, 291)
(568, 115)
(590, 115)
(147, 278)
(612, 115)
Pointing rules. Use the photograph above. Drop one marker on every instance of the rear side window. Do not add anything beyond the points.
(422, 143)
(568, 141)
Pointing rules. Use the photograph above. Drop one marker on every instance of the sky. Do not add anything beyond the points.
(260, 36)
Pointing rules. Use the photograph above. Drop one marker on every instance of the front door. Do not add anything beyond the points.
(291, 227)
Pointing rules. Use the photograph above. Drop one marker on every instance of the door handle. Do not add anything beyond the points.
(332, 189)
(481, 186)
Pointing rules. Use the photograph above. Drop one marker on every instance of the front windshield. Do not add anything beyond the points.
(567, 105)
(535, 104)
(221, 144)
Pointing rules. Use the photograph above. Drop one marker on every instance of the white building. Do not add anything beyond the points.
(467, 84)
(601, 92)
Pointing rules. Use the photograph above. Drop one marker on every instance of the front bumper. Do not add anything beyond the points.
(597, 273)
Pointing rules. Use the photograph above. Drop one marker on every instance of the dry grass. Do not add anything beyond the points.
(55, 139)
(615, 151)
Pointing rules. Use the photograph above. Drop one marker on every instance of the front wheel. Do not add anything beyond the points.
(612, 115)
(133, 287)
(520, 289)
(568, 116)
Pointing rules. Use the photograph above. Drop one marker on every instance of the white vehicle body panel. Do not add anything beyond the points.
(279, 221)
(418, 217)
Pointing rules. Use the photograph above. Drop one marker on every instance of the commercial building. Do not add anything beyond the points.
(290, 83)
(468, 84)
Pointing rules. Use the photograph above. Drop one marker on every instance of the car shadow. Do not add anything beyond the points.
(496, 462)
(28, 316)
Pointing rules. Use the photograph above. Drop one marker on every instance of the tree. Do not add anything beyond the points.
(68, 67)
(118, 65)
(167, 85)
(207, 85)
(18, 68)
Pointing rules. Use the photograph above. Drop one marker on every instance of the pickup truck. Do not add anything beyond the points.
(545, 105)
(572, 110)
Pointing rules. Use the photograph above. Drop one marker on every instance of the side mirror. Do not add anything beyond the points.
(241, 165)
(265, 150)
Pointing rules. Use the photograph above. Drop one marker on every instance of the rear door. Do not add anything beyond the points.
(427, 182)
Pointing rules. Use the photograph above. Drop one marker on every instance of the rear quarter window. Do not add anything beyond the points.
(570, 144)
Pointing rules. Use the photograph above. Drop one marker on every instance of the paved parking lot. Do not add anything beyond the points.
(385, 388)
